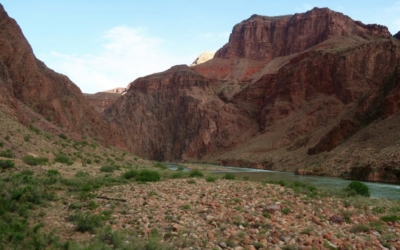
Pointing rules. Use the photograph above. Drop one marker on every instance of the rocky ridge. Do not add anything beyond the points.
(203, 57)
(30, 83)
(282, 89)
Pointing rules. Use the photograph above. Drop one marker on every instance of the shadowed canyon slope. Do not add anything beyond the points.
(283, 93)
(26, 81)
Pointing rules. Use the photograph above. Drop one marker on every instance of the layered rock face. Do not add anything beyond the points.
(101, 100)
(53, 95)
(284, 92)
(174, 115)
(121, 91)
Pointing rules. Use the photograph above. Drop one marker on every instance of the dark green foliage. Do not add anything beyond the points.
(7, 153)
(177, 175)
(1, 144)
(146, 175)
(109, 168)
(160, 165)
(286, 211)
(390, 218)
(86, 222)
(7, 137)
(34, 129)
(211, 179)
(34, 161)
(229, 176)
(130, 174)
(357, 188)
(63, 136)
(27, 138)
(4, 164)
(62, 158)
(180, 168)
(195, 173)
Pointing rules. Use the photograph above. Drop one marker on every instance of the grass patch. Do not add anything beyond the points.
(211, 179)
(229, 176)
(130, 174)
(7, 153)
(160, 165)
(63, 136)
(86, 222)
(390, 218)
(146, 175)
(196, 173)
(4, 164)
(34, 161)
(109, 168)
(62, 158)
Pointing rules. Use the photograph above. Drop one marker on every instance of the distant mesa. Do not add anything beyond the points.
(203, 57)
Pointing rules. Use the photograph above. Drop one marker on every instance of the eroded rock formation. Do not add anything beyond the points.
(203, 57)
(28, 81)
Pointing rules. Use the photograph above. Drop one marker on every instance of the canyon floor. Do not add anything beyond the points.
(91, 207)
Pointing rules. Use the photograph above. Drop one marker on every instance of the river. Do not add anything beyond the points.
(381, 190)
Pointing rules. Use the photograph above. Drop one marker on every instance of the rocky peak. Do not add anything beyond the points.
(121, 91)
(203, 57)
(397, 35)
(265, 38)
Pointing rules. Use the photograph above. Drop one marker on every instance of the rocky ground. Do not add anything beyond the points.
(227, 214)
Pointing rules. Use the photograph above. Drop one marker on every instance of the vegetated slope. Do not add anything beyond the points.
(282, 94)
(27, 80)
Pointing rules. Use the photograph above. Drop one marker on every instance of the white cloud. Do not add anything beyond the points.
(126, 55)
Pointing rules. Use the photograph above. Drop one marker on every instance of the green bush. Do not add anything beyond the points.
(177, 175)
(4, 164)
(229, 176)
(211, 179)
(7, 153)
(146, 175)
(63, 136)
(390, 218)
(1, 144)
(27, 138)
(160, 165)
(86, 222)
(357, 188)
(109, 168)
(34, 161)
(180, 168)
(130, 174)
(62, 158)
(196, 173)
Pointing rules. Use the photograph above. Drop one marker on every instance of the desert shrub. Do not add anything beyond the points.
(62, 158)
(177, 175)
(357, 188)
(130, 174)
(196, 173)
(86, 222)
(211, 179)
(109, 168)
(180, 168)
(34, 129)
(229, 176)
(34, 161)
(1, 144)
(146, 175)
(4, 164)
(7, 153)
(390, 218)
(286, 211)
(159, 165)
(27, 138)
(63, 136)
(7, 137)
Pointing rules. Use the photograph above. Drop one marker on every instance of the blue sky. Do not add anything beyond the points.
(101, 44)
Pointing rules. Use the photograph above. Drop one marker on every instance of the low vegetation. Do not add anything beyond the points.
(34, 161)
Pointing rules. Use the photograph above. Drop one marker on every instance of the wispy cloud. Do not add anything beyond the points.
(127, 54)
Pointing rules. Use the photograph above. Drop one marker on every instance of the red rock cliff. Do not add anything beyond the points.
(53, 95)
